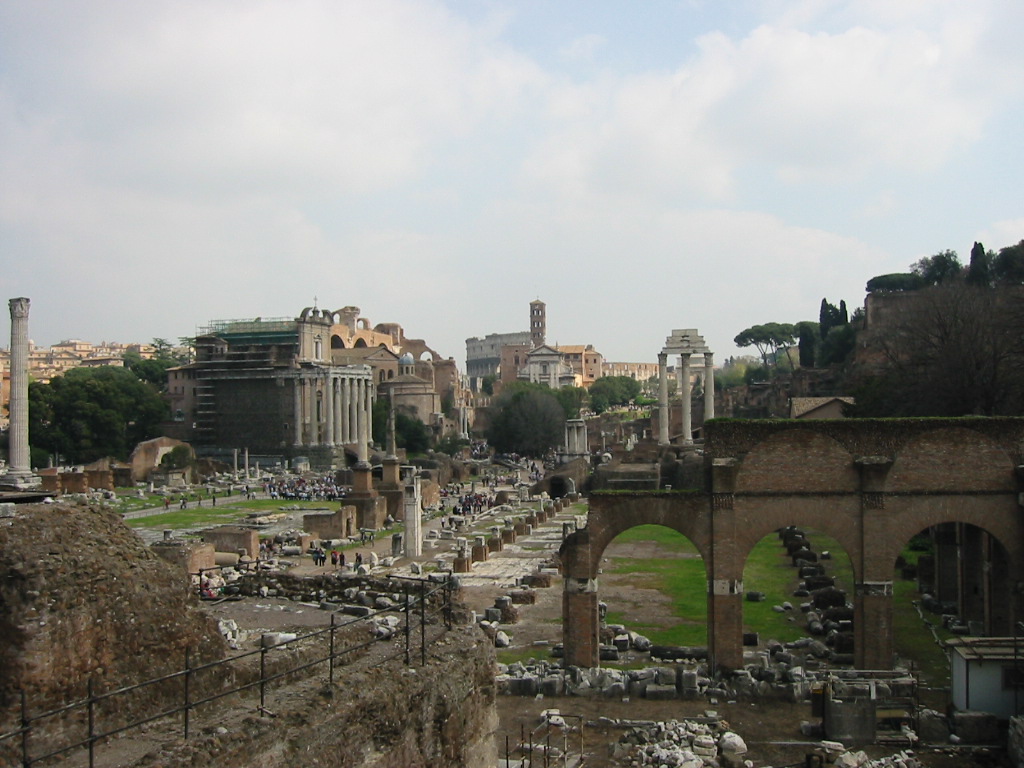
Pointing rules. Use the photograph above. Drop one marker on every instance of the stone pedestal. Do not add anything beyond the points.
(494, 544)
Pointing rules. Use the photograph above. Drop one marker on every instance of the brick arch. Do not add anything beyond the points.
(818, 461)
(954, 459)
(813, 517)
(607, 519)
(870, 484)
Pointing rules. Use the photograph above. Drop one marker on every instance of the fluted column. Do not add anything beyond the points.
(338, 413)
(709, 385)
(297, 412)
(684, 365)
(19, 456)
(662, 398)
(328, 400)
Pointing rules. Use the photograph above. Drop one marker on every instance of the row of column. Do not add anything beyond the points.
(685, 390)
(331, 409)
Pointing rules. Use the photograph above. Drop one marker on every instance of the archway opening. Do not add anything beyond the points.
(798, 597)
(653, 584)
(950, 580)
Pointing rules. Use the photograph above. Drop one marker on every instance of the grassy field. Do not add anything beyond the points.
(680, 575)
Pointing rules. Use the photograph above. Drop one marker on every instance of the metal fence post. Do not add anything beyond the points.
(92, 725)
(330, 657)
(263, 675)
(423, 623)
(25, 725)
(408, 628)
(188, 682)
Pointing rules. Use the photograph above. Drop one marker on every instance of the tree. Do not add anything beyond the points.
(528, 420)
(955, 351)
(410, 433)
(571, 399)
(89, 413)
(612, 390)
(768, 339)
(153, 371)
(1008, 265)
(940, 268)
(808, 342)
(487, 384)
(895, 282)
(979, 272)
(838, 345)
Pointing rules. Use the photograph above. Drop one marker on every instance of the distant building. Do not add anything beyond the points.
(639, 371)
(483, 356)
(290, 387)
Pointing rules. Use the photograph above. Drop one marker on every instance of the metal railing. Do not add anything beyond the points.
(424, 602)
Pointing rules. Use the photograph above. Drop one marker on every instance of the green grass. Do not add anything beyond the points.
(913, 639)
(681, 576)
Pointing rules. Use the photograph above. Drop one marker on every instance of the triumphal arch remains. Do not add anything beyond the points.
(870, 484)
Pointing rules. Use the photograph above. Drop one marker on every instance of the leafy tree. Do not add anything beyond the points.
(571, 399)
(808, 342)
(940, 268)
(179, 457)
(837, 346)
(897, 281)
(528, 419)
(768, 339)
(487, 384)
(89, 413)
(755, 374)
(979, 272)
(956, 351)
(410, 433)
(451, 444)
(1008, 265)
(612, 390)
(153, 371)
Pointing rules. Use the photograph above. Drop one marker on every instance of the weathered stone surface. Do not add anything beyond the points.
(84, 597)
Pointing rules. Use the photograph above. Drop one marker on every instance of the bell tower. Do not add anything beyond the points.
(538, 323)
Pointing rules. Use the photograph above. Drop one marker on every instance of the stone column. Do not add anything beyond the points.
(662, 398)
(413, 520)
(709, 386)
(247, 464)
(297, 412)
(353, 420)
(362, 449)
(687, 393)
(368, 409)
(339, 414)
(19, 471)
(308, 412)
(328, 400)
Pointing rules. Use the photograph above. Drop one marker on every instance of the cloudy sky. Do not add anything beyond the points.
(639, 166)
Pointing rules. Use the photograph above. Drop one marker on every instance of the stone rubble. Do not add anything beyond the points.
(710, 743)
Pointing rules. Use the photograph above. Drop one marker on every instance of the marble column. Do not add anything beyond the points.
(662, 398)
(339, 414)
(413, 521)
(328, 400)
(353, 421)
(687, 393)
(709, 385)
(19, 470)
(297, 412)
(368, 410)
(362, 448)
